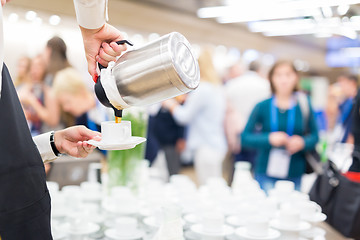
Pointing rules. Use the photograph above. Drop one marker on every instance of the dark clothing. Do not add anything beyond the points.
(152, 145)
(166, 130)
(172, 159)
(345, 118)
(24, 198)
(356, 132)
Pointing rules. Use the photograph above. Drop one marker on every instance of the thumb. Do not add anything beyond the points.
(87, 134)
(92, 66)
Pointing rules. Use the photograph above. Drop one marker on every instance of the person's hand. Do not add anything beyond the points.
(180, 145)
(100, 46)
(71, 141)
(278, 139)
(295, 144)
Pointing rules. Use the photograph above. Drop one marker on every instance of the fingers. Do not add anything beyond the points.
(109, 52)
(84, 149)
(118, 48)
(87, 134)
(105, 56)
(91, 66)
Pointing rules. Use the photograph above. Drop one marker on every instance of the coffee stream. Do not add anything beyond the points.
(118, 117)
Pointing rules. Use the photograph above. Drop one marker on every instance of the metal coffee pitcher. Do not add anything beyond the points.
(160, 70)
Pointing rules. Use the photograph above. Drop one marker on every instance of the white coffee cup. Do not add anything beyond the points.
(126, 225)
(213, 222)
(112, 132)
(284, 186)
(308, 209)
(289, 217)
(257, 226)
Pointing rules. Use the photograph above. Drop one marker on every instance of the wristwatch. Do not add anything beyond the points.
(52, 144)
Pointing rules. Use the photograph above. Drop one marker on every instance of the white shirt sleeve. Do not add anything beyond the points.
(91, 14)
(43, 144)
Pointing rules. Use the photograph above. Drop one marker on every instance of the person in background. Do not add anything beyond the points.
(243, 93)
(40, 105)
(342, 131)
(74, 98)
(355, 166)
(169, 135)
(334, 99)
(55, 56)
(23, 71)
(204, 112)
(234, 71)
(25, 204)
(279, 131)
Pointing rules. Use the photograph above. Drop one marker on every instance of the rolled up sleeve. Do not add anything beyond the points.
(43, 144)
(91, 14)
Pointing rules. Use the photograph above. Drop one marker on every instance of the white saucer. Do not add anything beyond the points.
(313, 233)
(272, 234)
(198, 229)
(235, 221)
(59, 212)
(318, 217)
(302, 226)
(59, 235)
(111, 206)
(112, 234)
(191, 218)
(88, 229)
(128, 144)
(150, 222)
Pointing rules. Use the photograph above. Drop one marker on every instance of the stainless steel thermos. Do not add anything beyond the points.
(162, 69)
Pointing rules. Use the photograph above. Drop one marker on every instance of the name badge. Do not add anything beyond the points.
(278, 164)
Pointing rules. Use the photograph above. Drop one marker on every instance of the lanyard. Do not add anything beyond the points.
(346, 110)
(291, 117)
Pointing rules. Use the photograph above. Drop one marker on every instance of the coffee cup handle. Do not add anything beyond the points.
(119, 43)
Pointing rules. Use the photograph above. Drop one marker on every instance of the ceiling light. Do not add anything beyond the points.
(54, 20)
(30, 15)
(327, 12)
(250, 55)
(243, 11)
(343, 9)
(273, 14)
(281, 25)
(13, 17)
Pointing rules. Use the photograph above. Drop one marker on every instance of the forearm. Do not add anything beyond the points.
(48, 116)
(255, 140)
(91, 14)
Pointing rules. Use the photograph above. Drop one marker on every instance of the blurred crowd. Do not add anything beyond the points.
(244, 115)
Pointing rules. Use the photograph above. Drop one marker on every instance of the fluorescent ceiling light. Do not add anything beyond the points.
(243, 11)
(268, 15)
(281, 25)
(349, 33)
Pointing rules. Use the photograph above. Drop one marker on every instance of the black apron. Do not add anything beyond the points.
(24, 198)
